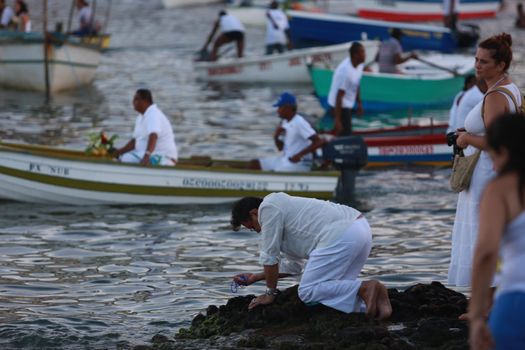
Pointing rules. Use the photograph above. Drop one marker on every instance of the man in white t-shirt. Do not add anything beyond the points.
(6, 15)
(328, 242)
(294, 137)
(277, 30)
(453, 124)
(344, 90)
(153, 141)
(231, 29)
(468, 101)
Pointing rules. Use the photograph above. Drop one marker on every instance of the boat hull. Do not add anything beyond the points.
(384, 92)
(425, 150)
(71, 65)
(43, 175)
(288, 67)
(314, 29)
(417, 10)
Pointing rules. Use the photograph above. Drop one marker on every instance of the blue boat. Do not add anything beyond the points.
(318, 29)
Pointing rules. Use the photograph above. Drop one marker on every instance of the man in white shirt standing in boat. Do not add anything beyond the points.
(153, 141)
(231, 29)
(6, 15)
(294, 137)
(344, 90)
(277, 30)
(333, 240)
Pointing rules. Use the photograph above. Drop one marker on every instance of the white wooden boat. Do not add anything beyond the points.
(288, 67)
(22, 65)
(50, 175)
(183, 3)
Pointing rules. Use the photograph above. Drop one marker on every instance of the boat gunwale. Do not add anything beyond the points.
(328, 17)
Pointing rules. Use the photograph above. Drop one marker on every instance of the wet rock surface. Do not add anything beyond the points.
(425, 316)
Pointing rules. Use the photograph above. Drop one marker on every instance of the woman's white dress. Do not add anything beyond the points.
(466, 223)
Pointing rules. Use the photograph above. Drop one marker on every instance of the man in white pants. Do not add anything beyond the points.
(333, 239)
(153, 141)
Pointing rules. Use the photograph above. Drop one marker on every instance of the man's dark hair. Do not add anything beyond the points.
(145, 95)
(241, 210)
(222, 13)
(354, 49)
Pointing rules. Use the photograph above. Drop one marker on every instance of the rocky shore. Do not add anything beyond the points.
(425, 316)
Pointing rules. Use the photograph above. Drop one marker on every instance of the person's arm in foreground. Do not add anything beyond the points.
(492, 223)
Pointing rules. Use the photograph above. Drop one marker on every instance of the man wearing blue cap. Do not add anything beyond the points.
(294, 136)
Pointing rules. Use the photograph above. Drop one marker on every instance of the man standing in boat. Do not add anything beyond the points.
(344, 90)
(153, 141)
(277, 30)
(390, 53)
(294, 136)
(231, 29)
(333, 240)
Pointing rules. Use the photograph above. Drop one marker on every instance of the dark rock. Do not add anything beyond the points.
(425, 316)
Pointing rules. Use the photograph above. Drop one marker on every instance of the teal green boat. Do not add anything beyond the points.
(421, 85)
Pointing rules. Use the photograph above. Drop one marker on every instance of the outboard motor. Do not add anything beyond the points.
(347, 154)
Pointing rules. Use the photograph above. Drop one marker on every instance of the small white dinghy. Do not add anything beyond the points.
(288, 67)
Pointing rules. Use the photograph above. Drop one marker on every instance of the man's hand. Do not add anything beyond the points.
(264, 299)
(295, 159)
(245, 279)
(360, 110)
(145, 160)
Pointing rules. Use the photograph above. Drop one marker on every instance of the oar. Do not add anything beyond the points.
(452, 71)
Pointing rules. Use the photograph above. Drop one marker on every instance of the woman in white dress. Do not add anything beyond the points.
(493, 58)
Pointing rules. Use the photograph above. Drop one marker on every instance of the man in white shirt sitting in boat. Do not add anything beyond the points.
(231, 29)
(6, 15)
(344, 90)
(294, 137)
(328, 242)
(153, 141)
(277, 30)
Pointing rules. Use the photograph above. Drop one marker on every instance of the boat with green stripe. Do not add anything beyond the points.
(418, 86)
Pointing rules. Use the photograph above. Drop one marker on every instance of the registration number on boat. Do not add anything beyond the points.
(48, 169)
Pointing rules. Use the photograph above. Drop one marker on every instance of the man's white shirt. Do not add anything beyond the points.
(276, 36)
(7, 16)
(154, 121)
(346, 77)
(228, 23)
(297, 136)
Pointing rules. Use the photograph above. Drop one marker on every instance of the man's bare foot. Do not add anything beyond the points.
(375, 296)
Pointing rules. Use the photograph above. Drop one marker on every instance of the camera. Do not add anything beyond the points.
(452, 138)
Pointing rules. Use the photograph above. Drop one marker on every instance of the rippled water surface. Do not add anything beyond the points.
(97, 277)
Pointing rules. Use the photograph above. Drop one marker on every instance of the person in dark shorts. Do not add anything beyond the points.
(231, 29)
